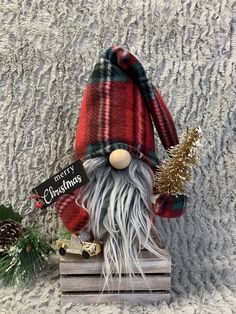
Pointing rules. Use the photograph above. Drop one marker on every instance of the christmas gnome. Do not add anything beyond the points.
(115, 142)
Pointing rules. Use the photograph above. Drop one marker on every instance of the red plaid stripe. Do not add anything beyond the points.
(170, 206)
(73, 216)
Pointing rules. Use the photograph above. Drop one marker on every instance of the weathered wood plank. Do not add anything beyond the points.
(134, 298)
(95, 267)
(81, 281)
(144, 254)
(74, 264)
(95, 283)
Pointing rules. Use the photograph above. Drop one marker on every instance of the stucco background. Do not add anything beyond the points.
(188, 47)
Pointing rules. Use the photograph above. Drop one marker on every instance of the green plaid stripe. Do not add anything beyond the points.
(98, 149)
(116, 74)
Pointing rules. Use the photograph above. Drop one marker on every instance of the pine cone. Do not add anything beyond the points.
(9, 232)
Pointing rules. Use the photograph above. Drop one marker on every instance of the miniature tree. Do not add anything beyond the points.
(174, 174)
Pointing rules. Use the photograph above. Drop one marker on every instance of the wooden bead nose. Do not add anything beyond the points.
(120, 158)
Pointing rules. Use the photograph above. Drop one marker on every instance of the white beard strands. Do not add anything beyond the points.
(118, 202)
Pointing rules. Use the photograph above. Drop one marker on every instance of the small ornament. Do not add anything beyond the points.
(39, 204)
(75, 245)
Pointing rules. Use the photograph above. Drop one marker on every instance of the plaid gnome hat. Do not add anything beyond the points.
(119, 108)
(118, 104)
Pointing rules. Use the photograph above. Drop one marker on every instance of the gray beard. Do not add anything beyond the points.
(119, 202)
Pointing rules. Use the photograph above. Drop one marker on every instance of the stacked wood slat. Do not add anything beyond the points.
(81, 281)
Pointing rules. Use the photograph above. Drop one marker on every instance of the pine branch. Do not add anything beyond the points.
(25, 259)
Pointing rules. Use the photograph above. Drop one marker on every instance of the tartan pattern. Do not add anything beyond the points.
(74, 217)
(170, 206)
(118, 109)
(118, 106)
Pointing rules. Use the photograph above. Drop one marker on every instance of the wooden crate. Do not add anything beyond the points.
(81, 281)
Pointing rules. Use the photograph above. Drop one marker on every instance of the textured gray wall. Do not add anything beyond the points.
(47, 50)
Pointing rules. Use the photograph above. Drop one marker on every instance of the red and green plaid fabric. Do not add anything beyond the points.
(170, 206)
(117, 110)
(74, 216)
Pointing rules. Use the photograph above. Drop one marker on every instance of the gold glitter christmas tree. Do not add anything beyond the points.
(174, 174)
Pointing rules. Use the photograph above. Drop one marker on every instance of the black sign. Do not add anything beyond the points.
(65, 181)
